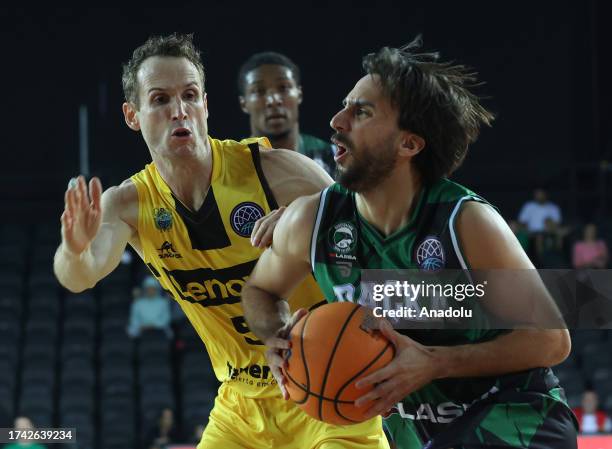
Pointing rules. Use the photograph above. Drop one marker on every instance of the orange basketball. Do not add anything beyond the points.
(332, 348)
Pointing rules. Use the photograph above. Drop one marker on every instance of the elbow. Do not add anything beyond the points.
(560, 345)
(72, 284)
(75, 288)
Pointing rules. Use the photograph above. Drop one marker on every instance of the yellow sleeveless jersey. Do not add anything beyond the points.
(203, 258)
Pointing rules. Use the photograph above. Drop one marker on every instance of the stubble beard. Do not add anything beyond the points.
(367, 171)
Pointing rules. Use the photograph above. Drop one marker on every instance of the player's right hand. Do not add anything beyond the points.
(261, 237)
(277, 353)
(82, 214)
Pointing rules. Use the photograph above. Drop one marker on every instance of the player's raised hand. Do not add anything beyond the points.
(82, 214)
(277, 353)
(263, 230)
(413, 366)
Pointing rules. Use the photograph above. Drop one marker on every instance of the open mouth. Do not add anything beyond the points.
(341, 150)
(181, 132)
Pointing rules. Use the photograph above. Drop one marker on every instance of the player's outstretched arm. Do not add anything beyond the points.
(291, 175)
(93, 234)
(487, 243)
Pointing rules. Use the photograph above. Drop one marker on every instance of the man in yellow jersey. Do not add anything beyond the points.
(189, 215)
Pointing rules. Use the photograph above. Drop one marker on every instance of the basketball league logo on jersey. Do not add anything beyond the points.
(343, 240)
(244, 216)
(430, 254)
(163, 219)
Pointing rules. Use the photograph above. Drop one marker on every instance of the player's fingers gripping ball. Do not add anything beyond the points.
(332, 348)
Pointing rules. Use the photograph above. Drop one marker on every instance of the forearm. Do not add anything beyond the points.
(75, 272)
(517, 351)
(265, 313)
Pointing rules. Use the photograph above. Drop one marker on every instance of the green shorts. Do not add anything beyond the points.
(506, 419)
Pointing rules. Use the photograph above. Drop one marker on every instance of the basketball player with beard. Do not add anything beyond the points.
(403, 129)
(189, 214)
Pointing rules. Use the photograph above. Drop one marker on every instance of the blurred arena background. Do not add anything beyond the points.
(66, 360)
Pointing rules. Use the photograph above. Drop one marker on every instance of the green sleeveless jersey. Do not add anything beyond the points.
(343, 244)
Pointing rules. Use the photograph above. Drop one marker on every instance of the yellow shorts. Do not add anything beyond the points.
(237, 422)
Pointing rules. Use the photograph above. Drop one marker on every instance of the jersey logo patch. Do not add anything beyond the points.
(244, 216)
(163, 219)
(430, 254)
(343, 238)
(167, 250)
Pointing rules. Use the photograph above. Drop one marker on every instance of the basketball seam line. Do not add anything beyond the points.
(305, 366)
(303, 351)
(348, 382)
(318, 396)
(331, 357)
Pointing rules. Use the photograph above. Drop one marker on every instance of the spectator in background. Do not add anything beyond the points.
(590, 418)
(271, 93)
(165, 433)
(23, 423)
(534, 213)
(590, 252)
(150, 310)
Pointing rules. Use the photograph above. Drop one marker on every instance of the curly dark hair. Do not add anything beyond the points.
(179, 45)
(266, 57)
(435, 101)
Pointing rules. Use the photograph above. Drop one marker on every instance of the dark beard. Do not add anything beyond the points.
(367, 171)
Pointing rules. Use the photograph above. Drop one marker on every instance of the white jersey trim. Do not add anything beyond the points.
(315, 230)
(453, 234)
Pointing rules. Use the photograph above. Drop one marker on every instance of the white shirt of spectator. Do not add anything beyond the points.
(150, 312)
(589, 424)
(534, 214)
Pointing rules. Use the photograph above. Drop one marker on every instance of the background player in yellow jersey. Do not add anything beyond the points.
(189, 215)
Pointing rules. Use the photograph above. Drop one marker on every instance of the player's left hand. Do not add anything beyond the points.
(278, 345)
(413, 367)
(261, 237)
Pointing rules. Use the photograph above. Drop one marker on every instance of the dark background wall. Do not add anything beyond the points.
(545, 66)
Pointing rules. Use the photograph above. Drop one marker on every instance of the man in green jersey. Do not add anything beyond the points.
(404, 128)
(271, 93)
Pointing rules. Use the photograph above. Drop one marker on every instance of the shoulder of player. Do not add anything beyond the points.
(123, 200)
(290, 161)
(291, 175)
(486, 239)
(294, 229)
(122, 195)
(302, 211)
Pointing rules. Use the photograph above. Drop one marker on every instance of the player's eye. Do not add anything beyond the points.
(190, 95)
(159, 99)
(361, 112)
